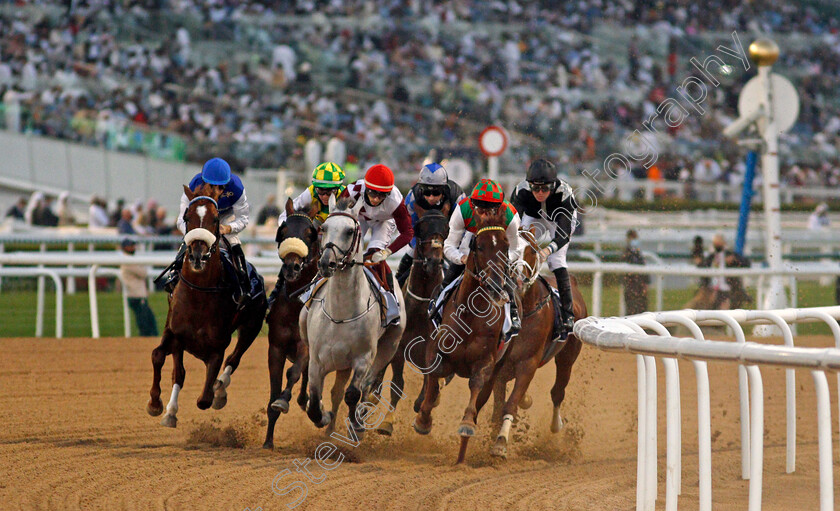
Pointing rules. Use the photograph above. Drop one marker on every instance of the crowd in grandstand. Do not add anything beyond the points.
(400, 82)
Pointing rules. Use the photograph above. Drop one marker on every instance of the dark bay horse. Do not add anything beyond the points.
(426, 275)
(202, 314)
(467, 341)
(297, 239)
(533, 347)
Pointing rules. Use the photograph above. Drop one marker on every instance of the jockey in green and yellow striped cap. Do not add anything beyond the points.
(327, 179)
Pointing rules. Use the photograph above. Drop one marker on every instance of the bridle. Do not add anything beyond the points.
(484, 275)
(531, 273)
(311, 254)
(346, 255)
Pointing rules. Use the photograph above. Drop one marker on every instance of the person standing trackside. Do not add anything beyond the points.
(134, 279)
(635, 284)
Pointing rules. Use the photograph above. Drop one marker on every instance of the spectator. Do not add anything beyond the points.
(43, 215)
(268, 211)
(134, 279)
(65, 216)
(125, 226)
(98, 215)
(819, 218)
(32, 206)
(635, 284)
(18, 210)
(727, 292)
(115, 215)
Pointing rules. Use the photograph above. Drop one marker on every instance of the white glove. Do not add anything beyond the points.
(380, 256)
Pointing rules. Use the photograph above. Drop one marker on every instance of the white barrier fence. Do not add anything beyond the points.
(628, 335)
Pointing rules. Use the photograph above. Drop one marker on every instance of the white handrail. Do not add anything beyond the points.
(622, 334)
(59, 296)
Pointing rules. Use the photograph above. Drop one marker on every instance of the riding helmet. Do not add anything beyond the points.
(216, 172)
(433, 174)
(487, 190)
(327, 175)
(541, 171)
(379, 178)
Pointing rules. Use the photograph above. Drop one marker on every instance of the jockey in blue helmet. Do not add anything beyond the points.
(233, 218)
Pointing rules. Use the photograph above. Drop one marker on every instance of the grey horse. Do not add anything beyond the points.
(342, 325)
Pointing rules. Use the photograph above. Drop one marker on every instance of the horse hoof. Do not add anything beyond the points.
(466, 429)
(557, 421)
(154, 409)
(280, 405)
(526, 402)
(326, 419)
(204, 404)
(423, 430)
(170, 421)
(268, 446)
(386, 428)
(219, 402)
(499, 449)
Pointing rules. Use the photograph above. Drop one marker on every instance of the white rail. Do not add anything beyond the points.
(628, 335)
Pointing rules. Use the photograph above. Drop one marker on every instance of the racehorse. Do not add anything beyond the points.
(202, 314)
(297, 239)
(426, 275)
(343, 325)
(533, 347)
(467, 342)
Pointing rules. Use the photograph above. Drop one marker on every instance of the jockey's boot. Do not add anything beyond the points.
(170, 275)
(567, 313)
(404, 270)
(242, 275)
(437, 303)
(515, 323)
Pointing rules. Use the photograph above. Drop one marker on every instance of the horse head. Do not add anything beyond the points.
(431, 231)
(488, 259)
(529, 266)
(297, 241)
(202, 220)
(340, 236)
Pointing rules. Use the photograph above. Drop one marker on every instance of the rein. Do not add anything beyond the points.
(213, 247)
(533, 272)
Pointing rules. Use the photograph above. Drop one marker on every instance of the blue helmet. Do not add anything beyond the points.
(433, 174)
(216, 172)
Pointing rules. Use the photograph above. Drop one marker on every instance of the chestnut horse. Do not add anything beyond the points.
(297, 239)
(426, 275)
(533, 347)
(202, 314)
(467, 341)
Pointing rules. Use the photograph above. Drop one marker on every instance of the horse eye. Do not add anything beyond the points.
(348, 232)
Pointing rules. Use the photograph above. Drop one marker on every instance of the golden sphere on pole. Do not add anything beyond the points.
(764, 52)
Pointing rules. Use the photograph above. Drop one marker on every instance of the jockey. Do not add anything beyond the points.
(233, 218)
(327, 179)
(434, 190)
(546, 201)
(484, 201)
(383, 212)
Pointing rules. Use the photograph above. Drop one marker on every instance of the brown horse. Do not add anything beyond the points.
(426, 275)
(533, 347)
(467, 342)
(202, 314)
(297, 239)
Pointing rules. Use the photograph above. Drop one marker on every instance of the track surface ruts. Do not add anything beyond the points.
(76, 436)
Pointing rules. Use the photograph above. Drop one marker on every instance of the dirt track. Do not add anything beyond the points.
(76, 436)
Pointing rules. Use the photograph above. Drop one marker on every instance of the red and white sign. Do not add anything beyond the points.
(493, 141)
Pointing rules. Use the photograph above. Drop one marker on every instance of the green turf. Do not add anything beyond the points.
(20, 308)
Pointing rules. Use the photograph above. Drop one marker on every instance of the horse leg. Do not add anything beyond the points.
(499, 391)
(316, 386)
(213, 364)
(423, 421)
(276, 361)
(303, 363)
(386, 427)
(178, 374)
(564, 361)
(247, 333)
(524, 375)
(353, 394)
(341, 379)
(155, 406)
(481, 377)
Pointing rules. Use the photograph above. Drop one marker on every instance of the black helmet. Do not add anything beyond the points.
(541, 171)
